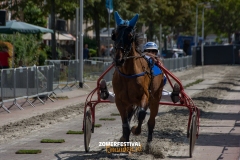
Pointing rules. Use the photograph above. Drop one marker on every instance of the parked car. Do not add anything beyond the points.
(180, 52)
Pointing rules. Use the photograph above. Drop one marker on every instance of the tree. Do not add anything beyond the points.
(223, 17)
(34, 15)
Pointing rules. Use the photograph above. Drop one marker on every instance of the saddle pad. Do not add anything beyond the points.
(155, 69)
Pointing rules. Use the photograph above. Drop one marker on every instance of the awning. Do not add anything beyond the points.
(59, 37)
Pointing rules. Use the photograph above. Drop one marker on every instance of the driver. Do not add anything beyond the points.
(151, 50)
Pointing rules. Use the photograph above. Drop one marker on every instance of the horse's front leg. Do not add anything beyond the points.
(125, 122)
(151, 122)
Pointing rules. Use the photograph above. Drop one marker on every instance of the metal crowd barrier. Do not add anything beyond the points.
(65, 73)
(178, 64)
(35, 82)
(25, 83)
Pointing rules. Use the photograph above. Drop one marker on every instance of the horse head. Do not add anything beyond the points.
(123, 38)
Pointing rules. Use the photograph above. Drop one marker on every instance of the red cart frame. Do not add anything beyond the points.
(185, 101)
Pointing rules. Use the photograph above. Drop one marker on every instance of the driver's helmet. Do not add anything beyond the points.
(150, 45)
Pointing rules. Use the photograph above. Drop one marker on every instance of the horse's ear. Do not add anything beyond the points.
(133, 21)
(118, 19)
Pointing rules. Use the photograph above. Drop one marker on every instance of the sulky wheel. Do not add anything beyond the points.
(87, 129)
(193, 134)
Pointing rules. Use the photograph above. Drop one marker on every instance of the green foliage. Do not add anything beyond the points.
(176, 16)
(93, 52)
(34, 15)
(90, 41)
(27, 48)
(223, 17)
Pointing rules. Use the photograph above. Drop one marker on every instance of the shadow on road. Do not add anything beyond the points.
(82, 155)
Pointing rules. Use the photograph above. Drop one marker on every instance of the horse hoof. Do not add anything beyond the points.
(149, 138)
(122, 139)
(135, 131)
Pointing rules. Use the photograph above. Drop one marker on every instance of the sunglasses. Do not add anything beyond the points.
(152, 50)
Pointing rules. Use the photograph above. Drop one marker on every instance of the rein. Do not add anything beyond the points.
(131, 76)
(134, 75)
(125, 58)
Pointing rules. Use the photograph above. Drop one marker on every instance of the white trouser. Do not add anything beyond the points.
(165, 96)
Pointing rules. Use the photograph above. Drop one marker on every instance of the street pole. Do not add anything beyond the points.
(81, 46)
(160, 40)
(202, 49)
(77, 29)
(196, 35)
(53, 27)
(108, 29)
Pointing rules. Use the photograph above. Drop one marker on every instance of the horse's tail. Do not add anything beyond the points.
(135, 113)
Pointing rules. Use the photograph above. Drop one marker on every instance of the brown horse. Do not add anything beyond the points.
(133, 81)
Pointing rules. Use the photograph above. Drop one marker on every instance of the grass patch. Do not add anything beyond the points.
(62, 97)
(74, 132)
(115, 114)
(52, 140)
(193, 83)
(97, 125)
(28, 151)
(107, 119)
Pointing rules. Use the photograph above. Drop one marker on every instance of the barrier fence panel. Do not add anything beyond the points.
(2, 91)
(50, 79)
(92, 69)
(56, 73)
(21, 82)
(21, 85)
(66, 73)
(42, 83)
(175, 64)
(9, 87)
(73, 71)
(172, 64)
(109, 75)
(31, 80)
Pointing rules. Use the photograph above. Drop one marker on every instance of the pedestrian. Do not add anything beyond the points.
(103, 51)
(111, 50)
(175, 54)
(86, 54)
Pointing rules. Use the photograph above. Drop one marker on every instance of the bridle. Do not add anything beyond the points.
(123, 39)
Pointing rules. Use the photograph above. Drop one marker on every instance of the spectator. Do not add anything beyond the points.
(111, 50)
(86, 52)
(186, 46)
(103, 51)
(4, 56)
(175, 54)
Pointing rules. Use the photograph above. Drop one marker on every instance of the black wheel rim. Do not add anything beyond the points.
(87, 130)
(193, 135)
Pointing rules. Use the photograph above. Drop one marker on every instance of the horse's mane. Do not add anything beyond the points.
(139, 40)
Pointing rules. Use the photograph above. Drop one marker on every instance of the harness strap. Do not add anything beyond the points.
(131, 76)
